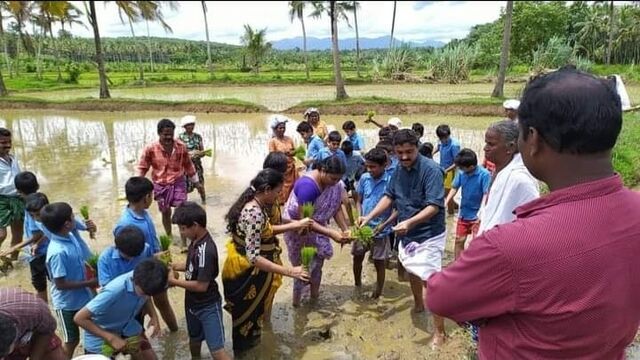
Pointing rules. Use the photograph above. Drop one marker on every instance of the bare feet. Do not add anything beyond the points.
(437, 341)
(417, 309)
(376, 294)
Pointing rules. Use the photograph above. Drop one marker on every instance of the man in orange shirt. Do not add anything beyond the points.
(170, 166)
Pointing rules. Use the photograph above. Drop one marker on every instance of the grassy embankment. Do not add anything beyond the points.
(626, 156)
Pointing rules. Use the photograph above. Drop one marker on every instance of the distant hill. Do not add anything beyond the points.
(347, 44)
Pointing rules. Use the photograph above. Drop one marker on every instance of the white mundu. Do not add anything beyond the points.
(512, 187)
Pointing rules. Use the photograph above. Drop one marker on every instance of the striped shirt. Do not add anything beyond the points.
(166, 168)
(29, 313)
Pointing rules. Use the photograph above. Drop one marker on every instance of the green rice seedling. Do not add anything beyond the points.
(300, 153)
(165, 243)
(84, 211)
(307, 210)
(307, 253)
(364, 235)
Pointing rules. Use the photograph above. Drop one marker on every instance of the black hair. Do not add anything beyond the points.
(277, 161)
(443, 131)
(137, 187)
(130, 240)
(347, 147)
(405, 136)
(304, 127)
(189, 213)
(26, 182)
(349, 125)
(573, 111)
(5, 132)
(165, 124)
(151, 275)
(385, 133)
(426, 150)
(55, 215)
(386, 146)
(376, 155)
(466, 158)
(265, 180)
(35, 202)
(8, 333)
(418, 128)
(334, 136)
(330, 165)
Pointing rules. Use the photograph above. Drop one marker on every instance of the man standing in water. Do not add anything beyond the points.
(170, 165)
(416, 191)
(559, 282)
(11, 205)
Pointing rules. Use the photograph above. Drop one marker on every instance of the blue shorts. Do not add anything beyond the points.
(205, 323)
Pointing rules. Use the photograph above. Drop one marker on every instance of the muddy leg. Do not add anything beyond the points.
(357, 269)
(416, 289)
(380, 274)
(316, 278)
(166, 312)
(166, 221)
(16, 236)
(459, 246)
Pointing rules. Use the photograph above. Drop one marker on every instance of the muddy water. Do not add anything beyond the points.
(85, 158)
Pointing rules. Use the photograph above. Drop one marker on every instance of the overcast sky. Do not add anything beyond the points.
(415, 20)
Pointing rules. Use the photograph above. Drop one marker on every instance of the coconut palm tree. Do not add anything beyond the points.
(206, 28)
(335, 10)
(393, 24)
(296, 10)
(612, 12)
(498, 90)
(356, 6)
(151, 11)
(93, 20)
(256, 46)
(7, 59)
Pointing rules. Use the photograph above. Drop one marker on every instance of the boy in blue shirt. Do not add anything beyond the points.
(130, 249)
(65, 261)
(333, 148)
(474, 181)
(202, 300)
(355, 166)
(314, 143)
(356, 139)
(448, 148)
(370, 190)
(112, 316)
(139, 193)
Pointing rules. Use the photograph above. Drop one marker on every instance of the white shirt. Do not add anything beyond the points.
(512, 187)
(8, 172)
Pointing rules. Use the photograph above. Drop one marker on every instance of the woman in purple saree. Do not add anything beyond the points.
(321, 187)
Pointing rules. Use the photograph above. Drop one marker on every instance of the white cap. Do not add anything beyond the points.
(186, 120)
(275, 120)
(511, 104)
(395, 122)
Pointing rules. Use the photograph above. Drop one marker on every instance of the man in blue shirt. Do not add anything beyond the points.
(129, 250)
(314, 143)
(448, 148)
(415, 190)
(111, 317)
(356, 139)
(139, 193)
(474, 181)
(66, 256)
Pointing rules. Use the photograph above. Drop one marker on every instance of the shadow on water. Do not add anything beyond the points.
(86, 158)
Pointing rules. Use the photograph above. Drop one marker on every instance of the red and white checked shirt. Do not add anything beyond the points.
(560, 282)
(28, 312)
(166, 168)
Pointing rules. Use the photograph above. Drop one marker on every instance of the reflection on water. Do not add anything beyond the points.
(86, 158)
(278, 98)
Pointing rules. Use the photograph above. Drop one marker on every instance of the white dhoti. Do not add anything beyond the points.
(425, 259)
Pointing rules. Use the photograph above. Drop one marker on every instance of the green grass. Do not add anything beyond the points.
(376, 100)
(626, 157)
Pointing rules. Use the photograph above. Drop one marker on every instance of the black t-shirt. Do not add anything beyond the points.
(202, 265)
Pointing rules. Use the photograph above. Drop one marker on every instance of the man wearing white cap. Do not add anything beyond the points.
(511, 108)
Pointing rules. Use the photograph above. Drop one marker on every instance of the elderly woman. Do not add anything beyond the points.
(312, 115)
(195, 147)
(282, 143)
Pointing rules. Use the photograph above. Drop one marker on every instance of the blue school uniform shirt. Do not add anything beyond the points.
(66, 258)
(357, 141)
(413, 189)
(448, 152)
(115, 309)
(325, 153)
(474, 186)
(30, 228)
(111, 264)
(355, 165)
(371, 191)
(142, 222)
(314, 146)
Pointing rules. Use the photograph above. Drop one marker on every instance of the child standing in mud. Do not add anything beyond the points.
(370, 191)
